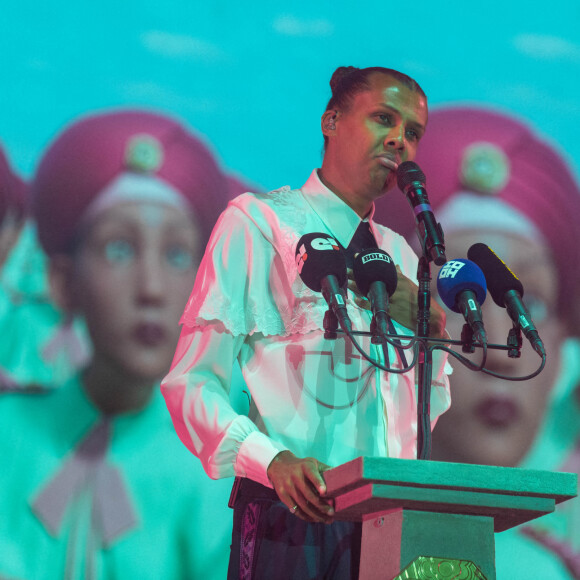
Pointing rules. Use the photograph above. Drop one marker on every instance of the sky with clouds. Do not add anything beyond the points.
(253, 77)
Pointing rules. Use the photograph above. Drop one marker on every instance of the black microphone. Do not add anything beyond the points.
(322, 267)
(461, 286)
(375, 275)
(411, 181)
(506, 291)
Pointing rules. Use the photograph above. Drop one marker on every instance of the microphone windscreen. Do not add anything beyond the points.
(500, 278)
(319, 255)
(374, 265)
(409, 172)
(456, 276)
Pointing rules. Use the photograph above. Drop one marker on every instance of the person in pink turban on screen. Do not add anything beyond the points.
(492, 179)
(13, 211)
(12, 206)
(95, 483)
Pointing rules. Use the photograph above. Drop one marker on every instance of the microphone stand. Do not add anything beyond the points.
(425, 362)
(330, 325)
(423, 359)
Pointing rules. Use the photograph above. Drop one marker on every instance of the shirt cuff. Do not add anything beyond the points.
(255, 455)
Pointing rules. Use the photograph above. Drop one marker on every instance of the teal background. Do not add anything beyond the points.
(253, 76)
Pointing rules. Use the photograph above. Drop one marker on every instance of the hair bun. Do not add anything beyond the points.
(340, 74)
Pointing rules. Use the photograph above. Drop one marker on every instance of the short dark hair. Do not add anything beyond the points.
(347, 81)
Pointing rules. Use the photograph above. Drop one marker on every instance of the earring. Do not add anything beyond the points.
(330, 124)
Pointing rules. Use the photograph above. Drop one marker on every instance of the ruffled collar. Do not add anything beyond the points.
(340, 219)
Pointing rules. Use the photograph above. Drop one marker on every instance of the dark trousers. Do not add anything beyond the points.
(270, 542)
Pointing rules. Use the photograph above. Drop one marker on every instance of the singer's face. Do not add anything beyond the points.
(381, 129)
(493, 421)
(130, 279)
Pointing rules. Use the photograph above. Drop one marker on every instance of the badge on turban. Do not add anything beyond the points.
(485, 168)
(144, 154)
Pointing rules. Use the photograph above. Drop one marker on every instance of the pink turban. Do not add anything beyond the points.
(467, 149)
(92, 152)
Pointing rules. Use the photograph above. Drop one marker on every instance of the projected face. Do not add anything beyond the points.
(381, 129)
(130, 279)
(492, 421)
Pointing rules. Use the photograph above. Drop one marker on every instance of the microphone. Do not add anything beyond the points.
(411, 181)
(375, 275)
(322, 267)
(461, 286)
(506, 291)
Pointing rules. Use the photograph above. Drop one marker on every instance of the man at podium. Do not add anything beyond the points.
(315, 401)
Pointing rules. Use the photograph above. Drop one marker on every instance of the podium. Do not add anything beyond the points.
(435, 520)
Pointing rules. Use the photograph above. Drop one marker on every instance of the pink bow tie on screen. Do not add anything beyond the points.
(112, 511)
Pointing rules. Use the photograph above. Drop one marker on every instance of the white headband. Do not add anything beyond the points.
(467, 210)
(130, 186)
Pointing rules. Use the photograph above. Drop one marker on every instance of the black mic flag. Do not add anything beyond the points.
(506, 291)
(322, 267)
(375, 275)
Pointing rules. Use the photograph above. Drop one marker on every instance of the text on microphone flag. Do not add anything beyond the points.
(376, 256)
(324, 244)
(451, 268)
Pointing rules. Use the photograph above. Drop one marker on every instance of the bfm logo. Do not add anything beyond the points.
(376, 256)
(450, 269)
(317, 244)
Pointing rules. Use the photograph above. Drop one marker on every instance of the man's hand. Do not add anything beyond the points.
(403, 305)
(299, 482)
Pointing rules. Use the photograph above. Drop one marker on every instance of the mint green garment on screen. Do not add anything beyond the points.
(181, 527)
(29, 321)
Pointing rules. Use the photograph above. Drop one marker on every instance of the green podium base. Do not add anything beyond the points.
(393, 539)
(445, 512)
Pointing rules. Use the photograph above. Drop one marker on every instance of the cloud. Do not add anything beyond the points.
(159, 95)
(289, 25)
(514, 94)
(545, 47)
(181, 46)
